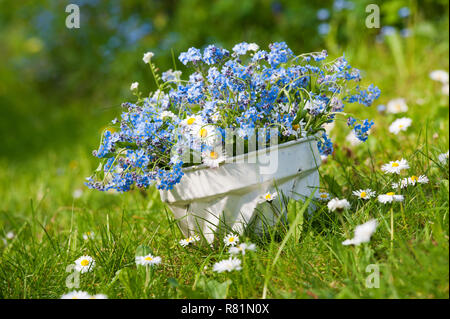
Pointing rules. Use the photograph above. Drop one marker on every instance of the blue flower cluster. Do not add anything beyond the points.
(360, 128)
(246, 89)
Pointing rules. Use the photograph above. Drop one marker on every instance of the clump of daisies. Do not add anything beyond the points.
(84, 264)
(245, 90)
(410, 181)
(147, 260)
(229, 265)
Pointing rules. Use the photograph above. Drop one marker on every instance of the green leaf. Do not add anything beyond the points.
(214, 289)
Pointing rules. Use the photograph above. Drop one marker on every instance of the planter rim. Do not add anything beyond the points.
(253, 153)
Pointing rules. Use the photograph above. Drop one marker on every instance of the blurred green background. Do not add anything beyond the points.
(59, 87)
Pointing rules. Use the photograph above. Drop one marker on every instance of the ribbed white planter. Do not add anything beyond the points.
(217, 200)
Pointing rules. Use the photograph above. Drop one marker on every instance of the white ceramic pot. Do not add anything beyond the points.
(228, 198)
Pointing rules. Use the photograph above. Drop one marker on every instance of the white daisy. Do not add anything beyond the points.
(390, 197)
(395, 167)
(422, 179)
(324, 196)
(362, 233)
(227, 265)
(167, 114)
(84, 264)
(88, 235)
(134, 86)
(76, 294)
(190, 239)
(268, 197)
(338, 204)
(443, 158)
(401, 184)
(148, 260)
(207, 134)
(213, 158)
(399, 125)
(147, 56)
(192, 122)
(439, 75)
(215, 117)
(397, 106)
(231, 240)
(364, 193)
(242, 248)
(10, 235)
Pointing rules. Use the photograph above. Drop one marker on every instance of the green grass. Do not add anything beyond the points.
(306, 260)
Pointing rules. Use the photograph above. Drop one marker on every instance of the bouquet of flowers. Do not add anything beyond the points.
(245, 90)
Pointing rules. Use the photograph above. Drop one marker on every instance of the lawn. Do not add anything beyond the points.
(46, 211)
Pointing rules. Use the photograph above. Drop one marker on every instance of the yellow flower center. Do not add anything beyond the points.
(363, 194)
(231, 239)
(401, 126)
(84, 262)
(203, 133)
(395, 164)
(295, 126)
(191, 121)
(414, 178)
(323, 195)
(390, 193)
(268, 197)
(148, 258)
(213, 155)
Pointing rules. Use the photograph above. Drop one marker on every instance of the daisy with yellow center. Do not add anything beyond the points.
(413, 180)
(399, 125)
(389, 198)
(189, 240)
(213, 157)
(231, 240)
(268, 197)
(147, 260)
(395, 167)
(207, 134)
(422, 179)
(192, 123)
(84, 264)
(88, 235)
(397, 106)
(364, 194)
(324, 196)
